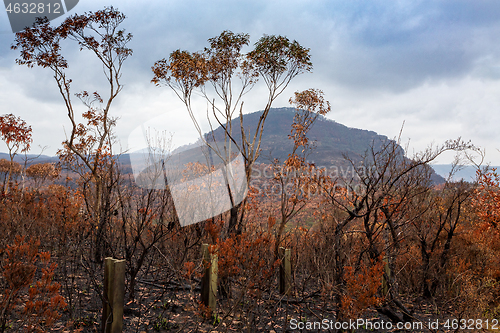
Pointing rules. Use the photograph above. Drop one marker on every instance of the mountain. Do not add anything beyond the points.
(31, 158)
(330, 139)
(466, 173)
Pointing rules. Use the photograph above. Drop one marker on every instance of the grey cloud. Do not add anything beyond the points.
(365, 55)
(385, 46)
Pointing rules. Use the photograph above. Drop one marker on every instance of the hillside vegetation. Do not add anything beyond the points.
(283, 244)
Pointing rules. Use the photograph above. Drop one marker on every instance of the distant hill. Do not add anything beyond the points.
(32, 158)
(331, 140)
(467, 173)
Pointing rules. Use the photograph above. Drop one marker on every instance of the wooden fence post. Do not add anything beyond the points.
(385, 277)
(285, 277)
(114, 294)
(209, 280)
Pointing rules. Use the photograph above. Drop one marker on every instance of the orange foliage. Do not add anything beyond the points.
(42, 172)
(188, 270)
(361, 289)
(15, 132)
(44, 302)
(488, 199)
(247, 257)
(486, 233)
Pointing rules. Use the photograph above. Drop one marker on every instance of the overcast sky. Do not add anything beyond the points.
(434, 65)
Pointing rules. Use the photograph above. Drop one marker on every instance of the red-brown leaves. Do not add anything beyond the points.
(247, 257)
(486, 233)
(361, 289)
(274, 58)
(183, 71)
(15, 132)
(224, 54)
(19, 267)
(44, 302)
(42, 172)
(276, 55)
(99, 33)
(309, 105)
(17, 136)
(40, 45)
(488, 198)
(311, 100)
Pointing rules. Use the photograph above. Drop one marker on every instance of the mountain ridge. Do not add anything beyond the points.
(331, 141)
(328, 137)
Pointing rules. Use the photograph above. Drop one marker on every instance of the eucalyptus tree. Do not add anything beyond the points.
(222, 74)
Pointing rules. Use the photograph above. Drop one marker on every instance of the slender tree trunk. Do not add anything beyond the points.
(426, 292)
(233, 228)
